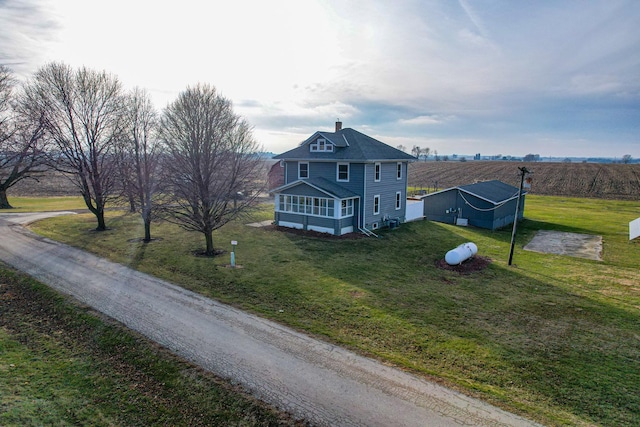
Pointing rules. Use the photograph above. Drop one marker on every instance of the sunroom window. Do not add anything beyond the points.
(316, 206)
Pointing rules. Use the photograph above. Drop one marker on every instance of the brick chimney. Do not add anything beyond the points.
(338, 125)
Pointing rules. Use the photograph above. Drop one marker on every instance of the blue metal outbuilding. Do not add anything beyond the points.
(488, 204)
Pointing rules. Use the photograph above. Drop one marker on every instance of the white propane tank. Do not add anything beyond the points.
(461, 253)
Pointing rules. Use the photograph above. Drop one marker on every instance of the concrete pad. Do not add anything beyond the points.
(261, 223)
(571, 244)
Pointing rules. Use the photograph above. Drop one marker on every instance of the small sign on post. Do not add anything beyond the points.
(634, 229)
(234, 243)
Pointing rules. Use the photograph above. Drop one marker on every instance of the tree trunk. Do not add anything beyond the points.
(4, 202)
(147, 229)
(209, 238)
(132, 203)
(100, 217)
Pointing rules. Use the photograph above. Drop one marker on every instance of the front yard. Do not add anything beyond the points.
(551, 337)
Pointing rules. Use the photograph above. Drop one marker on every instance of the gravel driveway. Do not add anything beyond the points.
(314, 380)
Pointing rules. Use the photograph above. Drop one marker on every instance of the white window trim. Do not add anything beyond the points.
(399, 170)
(350, 208)
(338, 172)
(377, 172)
(303, 163)
(398, 200)
(285, 203)
(376, 209)
(326, 146)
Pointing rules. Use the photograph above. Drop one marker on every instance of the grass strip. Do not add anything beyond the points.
(45, 204)
(62, 364)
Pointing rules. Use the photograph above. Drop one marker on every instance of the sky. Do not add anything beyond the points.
(496, 77)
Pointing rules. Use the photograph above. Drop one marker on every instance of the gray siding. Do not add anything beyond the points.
(322, 169)
(309, 221)
(386, 188)
(436, 205)
(361, 179)
(290, 172)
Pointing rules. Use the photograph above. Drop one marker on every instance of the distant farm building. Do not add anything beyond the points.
(489, 204)
(276, 175)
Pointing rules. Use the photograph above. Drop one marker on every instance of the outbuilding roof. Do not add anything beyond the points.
(493, 191)
(349, 145)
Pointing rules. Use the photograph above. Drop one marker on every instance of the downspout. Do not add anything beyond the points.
(364, 201)
(403, 200)
(361, 226)
(368, 232)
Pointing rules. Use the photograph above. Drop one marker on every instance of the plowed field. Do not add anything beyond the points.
(595, 180)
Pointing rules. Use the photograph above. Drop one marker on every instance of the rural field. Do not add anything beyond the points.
(552, 337)
(593, 180)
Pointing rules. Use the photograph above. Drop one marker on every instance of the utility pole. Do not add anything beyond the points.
(523, 171)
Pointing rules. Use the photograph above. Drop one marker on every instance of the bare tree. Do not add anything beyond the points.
(426, 152)
(416, 151)
(141, 155)
(7, 83)
(212, 167)
(401, 147)
(22, 141)
(626, 158)
(82, 110)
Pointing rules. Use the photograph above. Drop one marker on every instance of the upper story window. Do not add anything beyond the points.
(342, 172)
(376, 174)
(303, 170)
(321, 145)
(399, 171)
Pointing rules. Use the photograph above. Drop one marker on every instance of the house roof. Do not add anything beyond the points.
(351, 145)
(492, 191)
(322, 184)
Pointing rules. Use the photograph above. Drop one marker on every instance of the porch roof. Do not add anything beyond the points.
(330, 188)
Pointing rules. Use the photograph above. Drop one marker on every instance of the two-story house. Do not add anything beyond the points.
(342, 182)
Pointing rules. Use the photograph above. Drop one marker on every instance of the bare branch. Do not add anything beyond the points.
(83, 114)
(211, 167)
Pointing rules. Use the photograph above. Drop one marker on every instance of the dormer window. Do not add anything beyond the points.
(321, 145)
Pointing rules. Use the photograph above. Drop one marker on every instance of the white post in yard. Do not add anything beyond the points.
(234, 243)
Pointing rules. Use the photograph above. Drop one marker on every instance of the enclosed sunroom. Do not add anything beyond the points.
(316, 204)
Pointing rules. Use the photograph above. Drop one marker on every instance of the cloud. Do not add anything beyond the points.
(27, 33)
(426, 120)
(481, 75)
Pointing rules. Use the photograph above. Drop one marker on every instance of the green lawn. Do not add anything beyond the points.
(62, 365)
(45, 204)
(552, 337)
